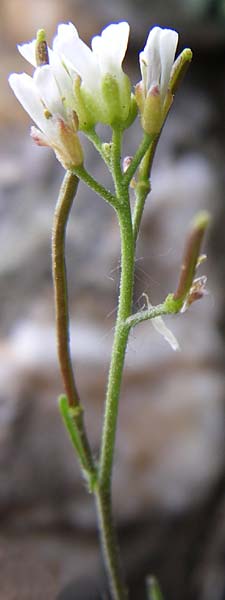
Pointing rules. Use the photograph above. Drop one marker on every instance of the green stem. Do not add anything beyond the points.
(151, 313)
(111, 410)
(143, 186)
(141, 151)
(63, 207)
(116, 162)
(95, 186)
(97, 143)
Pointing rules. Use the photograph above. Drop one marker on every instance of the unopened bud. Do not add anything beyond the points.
(191, 258)
(179, 69)
(41, 49)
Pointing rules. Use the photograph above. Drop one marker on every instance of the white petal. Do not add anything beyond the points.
(161, 328)
(77, 55)
(66, 34)
(49, 90)
(110, 47)
(28, 52)
(150, 59)
(168, 46)
(26, 92)
(62, 77)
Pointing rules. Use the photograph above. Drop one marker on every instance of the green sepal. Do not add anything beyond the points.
(116, 96)
(111, 97)
(152, 116)
(132, 113)
(85, 107)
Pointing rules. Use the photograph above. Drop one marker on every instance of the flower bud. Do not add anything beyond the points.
(152, 116)
(41, 49)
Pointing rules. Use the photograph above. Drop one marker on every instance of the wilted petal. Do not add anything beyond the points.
(161, 328)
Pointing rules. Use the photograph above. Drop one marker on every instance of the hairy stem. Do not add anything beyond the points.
(104, 505)
(115, 161)
(144, 145)
(143, 186)
(95, 186)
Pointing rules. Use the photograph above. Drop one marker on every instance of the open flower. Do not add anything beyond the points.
(156, 61)
(47, 97)
(102, 90)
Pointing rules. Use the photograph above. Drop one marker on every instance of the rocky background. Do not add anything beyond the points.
(169, 495)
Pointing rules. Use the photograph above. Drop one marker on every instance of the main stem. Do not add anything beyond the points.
(103, 494)
(62, 211)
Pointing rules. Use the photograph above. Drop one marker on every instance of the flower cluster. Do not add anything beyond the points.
(76, 87)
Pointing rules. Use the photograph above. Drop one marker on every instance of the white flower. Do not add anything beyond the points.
(105, 89)
(156, 62)
(47, 97)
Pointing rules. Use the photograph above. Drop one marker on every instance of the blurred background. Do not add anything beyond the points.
(169, 492)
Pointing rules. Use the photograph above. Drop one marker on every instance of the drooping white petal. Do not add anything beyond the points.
(26, 92)
(110, 47)
(168, 45)
(161, 328)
